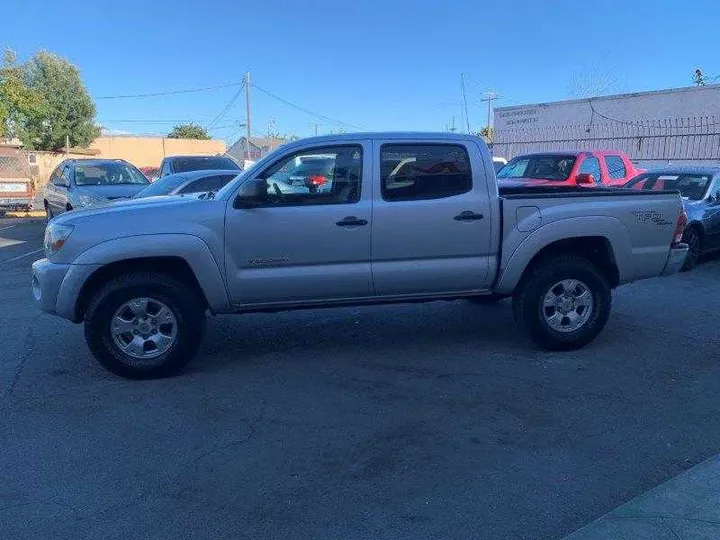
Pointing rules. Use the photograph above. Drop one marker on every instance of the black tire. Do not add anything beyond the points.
(693, 239)
(486, 300)
(182, 299)
(528, 308)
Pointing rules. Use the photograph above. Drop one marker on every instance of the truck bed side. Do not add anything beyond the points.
(636, 227)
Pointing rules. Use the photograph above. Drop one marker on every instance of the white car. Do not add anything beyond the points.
(499, 162)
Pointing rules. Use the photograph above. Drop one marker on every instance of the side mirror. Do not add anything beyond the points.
(584, 179)
(252, 194)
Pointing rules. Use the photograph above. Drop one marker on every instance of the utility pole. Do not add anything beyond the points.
(464, 98)
(67, 144)
(452, 127)
(316, 127)
(247, 112)
(489, 97)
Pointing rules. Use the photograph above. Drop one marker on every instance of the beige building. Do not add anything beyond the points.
(146, 153)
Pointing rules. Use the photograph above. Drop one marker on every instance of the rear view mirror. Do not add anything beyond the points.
(252, 194)
(584, 179)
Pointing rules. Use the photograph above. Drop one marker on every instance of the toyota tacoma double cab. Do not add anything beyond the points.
(403, 218)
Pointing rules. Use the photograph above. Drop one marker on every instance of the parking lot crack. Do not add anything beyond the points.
(26, 353)
(252, 428)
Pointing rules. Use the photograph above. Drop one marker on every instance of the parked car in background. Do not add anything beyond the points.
(700, 191)
(79, 183)
(438, 230)
(572, 168)
(16, 187)
(181, 164)
(498, 163)
(186, 183)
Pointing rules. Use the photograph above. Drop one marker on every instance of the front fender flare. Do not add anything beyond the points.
(191, 249)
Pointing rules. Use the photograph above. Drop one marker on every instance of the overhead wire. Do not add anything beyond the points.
(171, 92)
(225, 109)
(305, 110)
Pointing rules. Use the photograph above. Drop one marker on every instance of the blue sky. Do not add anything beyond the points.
(374, 64)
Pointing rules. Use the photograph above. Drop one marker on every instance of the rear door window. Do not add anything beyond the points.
(615, 167)
(591, 165)
(411, 172)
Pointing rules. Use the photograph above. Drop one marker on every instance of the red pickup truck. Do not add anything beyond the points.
(574, 168)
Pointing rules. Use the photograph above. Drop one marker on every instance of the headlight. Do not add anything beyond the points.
(88, 200)
(55, 238)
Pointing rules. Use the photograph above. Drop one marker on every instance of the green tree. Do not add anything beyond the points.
(188, 131)
(69, 112)
(18, 102)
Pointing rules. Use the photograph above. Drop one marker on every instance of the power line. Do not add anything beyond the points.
(152, 121)
(171, 92)
(303, 109)
(225, 109)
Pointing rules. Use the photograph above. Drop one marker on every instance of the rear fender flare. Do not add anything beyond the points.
(515, 261)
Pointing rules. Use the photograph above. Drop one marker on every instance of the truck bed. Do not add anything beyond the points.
(637, 226)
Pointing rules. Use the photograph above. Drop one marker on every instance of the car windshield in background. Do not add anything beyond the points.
(542, 167)
(690, 186)
(110, 173)
(199, 163)
(163, 186)
(314, 166)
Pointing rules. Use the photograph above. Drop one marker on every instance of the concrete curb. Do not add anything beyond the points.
(687, 507)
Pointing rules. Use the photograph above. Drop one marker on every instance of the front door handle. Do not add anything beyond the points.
(351, 221)
(468, 215)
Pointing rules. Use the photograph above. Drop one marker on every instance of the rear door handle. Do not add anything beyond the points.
(468, 215)
(351, 221)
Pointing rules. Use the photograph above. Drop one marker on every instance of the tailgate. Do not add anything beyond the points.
(15, 190)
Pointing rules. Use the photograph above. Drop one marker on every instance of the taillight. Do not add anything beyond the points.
(680, 227)
(316, 180)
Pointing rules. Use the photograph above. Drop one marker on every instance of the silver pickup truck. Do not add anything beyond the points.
(349, 220)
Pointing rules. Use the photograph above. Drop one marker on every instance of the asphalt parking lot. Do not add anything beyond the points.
(412, 421)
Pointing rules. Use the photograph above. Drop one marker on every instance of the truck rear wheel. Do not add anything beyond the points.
(145, 325)
(563, 303)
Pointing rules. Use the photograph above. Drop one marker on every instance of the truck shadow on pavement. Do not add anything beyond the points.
(369, 331)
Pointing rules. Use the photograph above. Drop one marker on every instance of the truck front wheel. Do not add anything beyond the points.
(563, 303)
(145, 325)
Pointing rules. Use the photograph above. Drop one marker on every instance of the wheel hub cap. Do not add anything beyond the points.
(144, 328)
(567, 305)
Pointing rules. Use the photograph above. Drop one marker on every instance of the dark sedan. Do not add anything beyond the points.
(188, 182)
(700, 190)
(180, 164)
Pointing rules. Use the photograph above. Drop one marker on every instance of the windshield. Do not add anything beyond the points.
(690, 186)
(199, 163)
(545, 167)
(163, 186)
(109, 173)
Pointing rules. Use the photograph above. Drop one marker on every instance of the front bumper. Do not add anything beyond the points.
(675, 260)
(56, 287)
